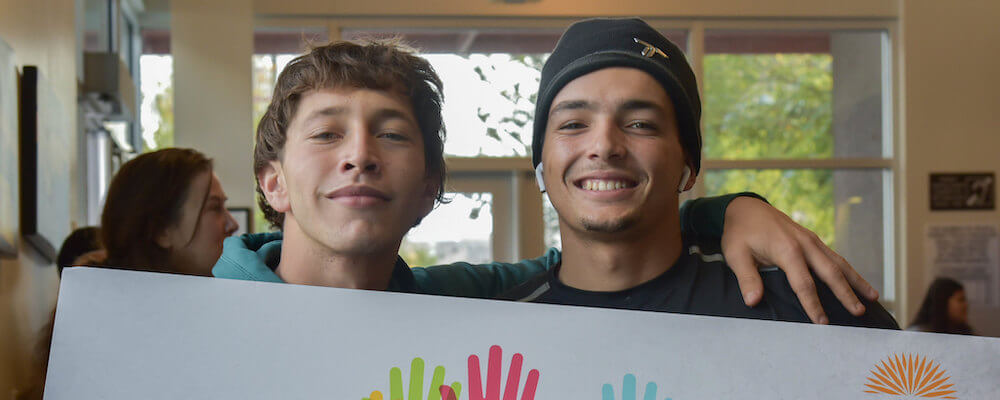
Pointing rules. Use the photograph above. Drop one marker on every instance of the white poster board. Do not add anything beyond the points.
(970, 254)
(132, 335)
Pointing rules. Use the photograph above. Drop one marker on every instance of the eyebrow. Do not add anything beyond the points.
(326, 112)
(571, 105)
(391, 113)
(632, 105)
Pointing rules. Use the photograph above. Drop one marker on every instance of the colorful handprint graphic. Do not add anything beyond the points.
(628, 390)
(493, 371)
(435, 392)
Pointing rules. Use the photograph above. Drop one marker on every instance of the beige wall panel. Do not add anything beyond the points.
(212, 44)
(41, 33)
(951, 55)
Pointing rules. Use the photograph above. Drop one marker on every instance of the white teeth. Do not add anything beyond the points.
(603, 185)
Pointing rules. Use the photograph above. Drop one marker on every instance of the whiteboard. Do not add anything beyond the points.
(139, 335)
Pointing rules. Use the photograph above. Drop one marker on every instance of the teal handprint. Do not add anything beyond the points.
(417, 384)
(628, 390)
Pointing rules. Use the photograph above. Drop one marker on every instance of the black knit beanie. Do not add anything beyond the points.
(599, 43)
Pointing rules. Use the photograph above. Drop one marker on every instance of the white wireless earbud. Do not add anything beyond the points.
(538, 178)
(684, 179)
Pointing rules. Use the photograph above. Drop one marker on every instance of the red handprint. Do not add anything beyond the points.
(493, 379)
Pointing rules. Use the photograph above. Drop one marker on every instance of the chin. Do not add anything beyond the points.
(609, 225)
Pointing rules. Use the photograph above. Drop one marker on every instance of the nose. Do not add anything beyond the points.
(608, 142)
(231, 224)
(360, 155)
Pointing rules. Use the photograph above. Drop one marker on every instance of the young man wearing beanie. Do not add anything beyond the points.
(349, 156)
(616, 139)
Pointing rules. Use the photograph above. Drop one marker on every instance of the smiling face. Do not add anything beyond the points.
(612, 158)
(352, 176)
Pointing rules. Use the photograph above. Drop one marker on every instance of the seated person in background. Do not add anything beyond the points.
(81, 247)
(166, 211)
(349, 156)
(944, 310)
(617, 131)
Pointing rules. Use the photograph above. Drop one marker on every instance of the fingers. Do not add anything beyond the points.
(741, 262)
(437, 380)
(628, 387)
(530, 385)
(395, 383)
(650, 391)
(607, 392)
(513, 377)
(475, 379)
(853, 277)
(451, 393)
(794, 265)
(832, 275)
(416, 379)
(493, 373)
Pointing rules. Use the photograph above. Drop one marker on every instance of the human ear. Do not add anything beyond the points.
(688, 179)
(272, 183)
(427, 200)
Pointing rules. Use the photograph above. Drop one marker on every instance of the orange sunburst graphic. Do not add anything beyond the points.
(910, 375)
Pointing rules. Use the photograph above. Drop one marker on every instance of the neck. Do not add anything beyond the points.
(306, 261)
(608, 262)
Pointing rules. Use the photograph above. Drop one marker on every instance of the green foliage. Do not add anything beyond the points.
(768, 106)
(773, 106)
(805, 195)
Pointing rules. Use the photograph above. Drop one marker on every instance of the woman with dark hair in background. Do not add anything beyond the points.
(944, 310)
(165, 211)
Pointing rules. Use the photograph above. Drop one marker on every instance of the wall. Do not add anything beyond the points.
(41, 33)
(212, 44)
(951, 94)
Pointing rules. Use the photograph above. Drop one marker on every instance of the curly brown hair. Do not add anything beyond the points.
(385, 65)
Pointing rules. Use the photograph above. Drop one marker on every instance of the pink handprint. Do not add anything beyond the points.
(493, 379)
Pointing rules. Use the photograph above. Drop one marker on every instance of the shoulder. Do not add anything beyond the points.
(247, 257)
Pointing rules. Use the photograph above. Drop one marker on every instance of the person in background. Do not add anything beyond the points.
(81, 247)
(944, 310)
(166, 211)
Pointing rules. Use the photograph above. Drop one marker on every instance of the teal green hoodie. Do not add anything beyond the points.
(254, 256)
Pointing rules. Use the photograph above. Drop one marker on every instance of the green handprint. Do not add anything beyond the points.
(416, 384)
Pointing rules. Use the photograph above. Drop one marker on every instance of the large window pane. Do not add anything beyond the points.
(846, 208)
(794, 95)
(461, 230)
